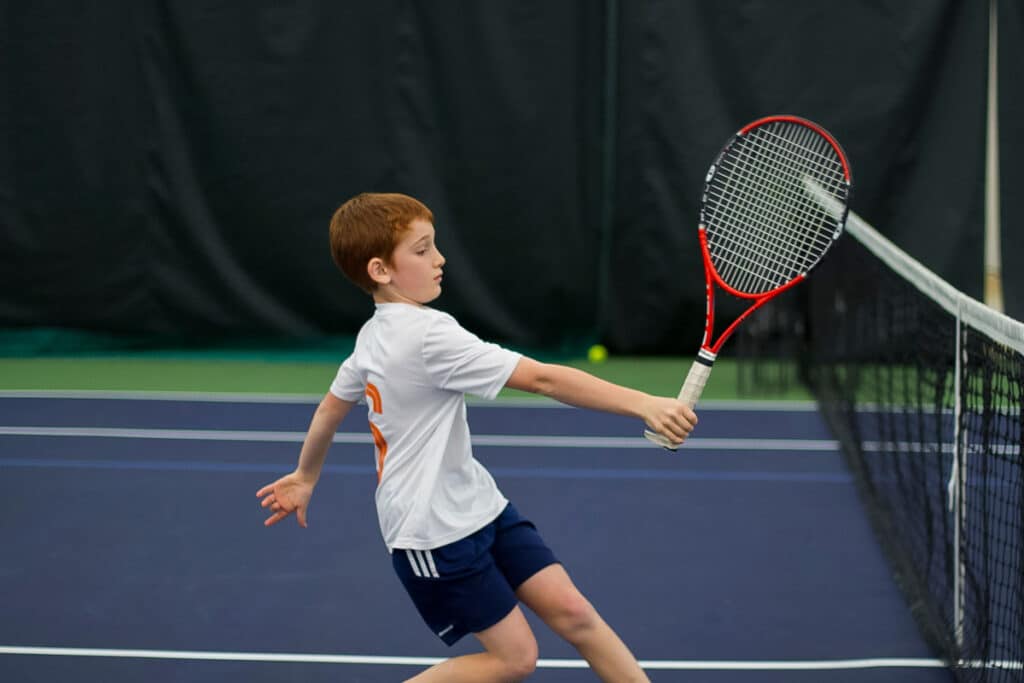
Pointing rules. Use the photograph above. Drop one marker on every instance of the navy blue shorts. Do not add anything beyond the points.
(469, 585)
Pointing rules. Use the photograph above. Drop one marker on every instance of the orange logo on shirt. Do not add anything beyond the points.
(373, 394)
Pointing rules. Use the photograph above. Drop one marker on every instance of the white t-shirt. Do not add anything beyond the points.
(413, 365)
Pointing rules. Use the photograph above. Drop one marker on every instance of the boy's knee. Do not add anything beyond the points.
(522, 669)
(575, 616)
(521, 665)
(518, 660)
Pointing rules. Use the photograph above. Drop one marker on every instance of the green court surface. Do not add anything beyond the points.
(276, 372)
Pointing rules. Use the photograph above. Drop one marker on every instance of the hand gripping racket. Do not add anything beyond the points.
(774, 201)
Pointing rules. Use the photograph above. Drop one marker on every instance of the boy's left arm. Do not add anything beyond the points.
(291, 493)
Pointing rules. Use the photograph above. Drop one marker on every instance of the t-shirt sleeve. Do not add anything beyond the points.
(348, 384)
(458, 360)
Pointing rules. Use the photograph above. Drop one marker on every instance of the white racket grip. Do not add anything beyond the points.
(693, 387)
(696, 378)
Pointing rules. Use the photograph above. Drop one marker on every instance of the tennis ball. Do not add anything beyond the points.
(597, 354)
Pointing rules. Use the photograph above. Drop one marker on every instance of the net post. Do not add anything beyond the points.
(956, 489)
(993, 285)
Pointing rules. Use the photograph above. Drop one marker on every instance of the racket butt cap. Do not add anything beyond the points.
(661, 441)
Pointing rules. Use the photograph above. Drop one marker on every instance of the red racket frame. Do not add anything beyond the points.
(693, 386)
(711, 276)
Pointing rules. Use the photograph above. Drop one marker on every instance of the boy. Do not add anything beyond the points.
(461, 550)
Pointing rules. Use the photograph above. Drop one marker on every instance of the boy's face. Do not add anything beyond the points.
(414, 273)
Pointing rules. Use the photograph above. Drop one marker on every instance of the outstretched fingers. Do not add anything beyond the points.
(280, 504)
(276, 517)
(280, 510)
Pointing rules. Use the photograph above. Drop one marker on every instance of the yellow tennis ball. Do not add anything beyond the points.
(597, 354)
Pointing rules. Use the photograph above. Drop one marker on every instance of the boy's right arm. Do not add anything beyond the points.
(291, 493)
(666, 416)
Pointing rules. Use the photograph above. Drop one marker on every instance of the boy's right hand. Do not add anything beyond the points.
(290, 493)
(669, 417)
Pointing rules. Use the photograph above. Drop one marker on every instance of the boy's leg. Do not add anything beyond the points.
(551, 594)
(511, 656)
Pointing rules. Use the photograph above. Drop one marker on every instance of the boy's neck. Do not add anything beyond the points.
(377, 300)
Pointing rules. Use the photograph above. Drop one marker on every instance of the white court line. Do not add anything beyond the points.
(243, 397)
(186, 396)
(497, 440)
(661, 664)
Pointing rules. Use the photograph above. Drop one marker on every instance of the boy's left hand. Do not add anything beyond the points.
(290, 493)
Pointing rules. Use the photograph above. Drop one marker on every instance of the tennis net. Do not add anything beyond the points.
(922, 385)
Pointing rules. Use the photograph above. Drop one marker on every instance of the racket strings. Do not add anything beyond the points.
(790, 251)
(801, 248)
(795, 252)
(757, 206)
(780, 169)
(830, 172)
(775, 187)
(803, 153)
(764, 228)
(810, 147)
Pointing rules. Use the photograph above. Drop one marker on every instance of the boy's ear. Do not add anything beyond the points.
(378, 271)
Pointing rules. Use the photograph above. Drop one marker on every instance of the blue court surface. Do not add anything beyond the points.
(133, 547)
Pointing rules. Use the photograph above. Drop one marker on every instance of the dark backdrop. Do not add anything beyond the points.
(168, 170)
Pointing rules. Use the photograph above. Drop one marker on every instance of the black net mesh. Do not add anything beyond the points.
(935, 444)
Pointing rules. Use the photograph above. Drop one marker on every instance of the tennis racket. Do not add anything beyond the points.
(774, 201)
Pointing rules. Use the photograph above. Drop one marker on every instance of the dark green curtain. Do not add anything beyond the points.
(168, 170)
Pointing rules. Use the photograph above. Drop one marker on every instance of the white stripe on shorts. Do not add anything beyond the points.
(413, 564)
(422, 562)
(422, 555)
(433, 567)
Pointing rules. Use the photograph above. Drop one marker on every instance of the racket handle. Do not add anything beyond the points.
(693, 387)
(696, 378)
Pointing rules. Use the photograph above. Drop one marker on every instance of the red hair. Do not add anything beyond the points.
(369, 226)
